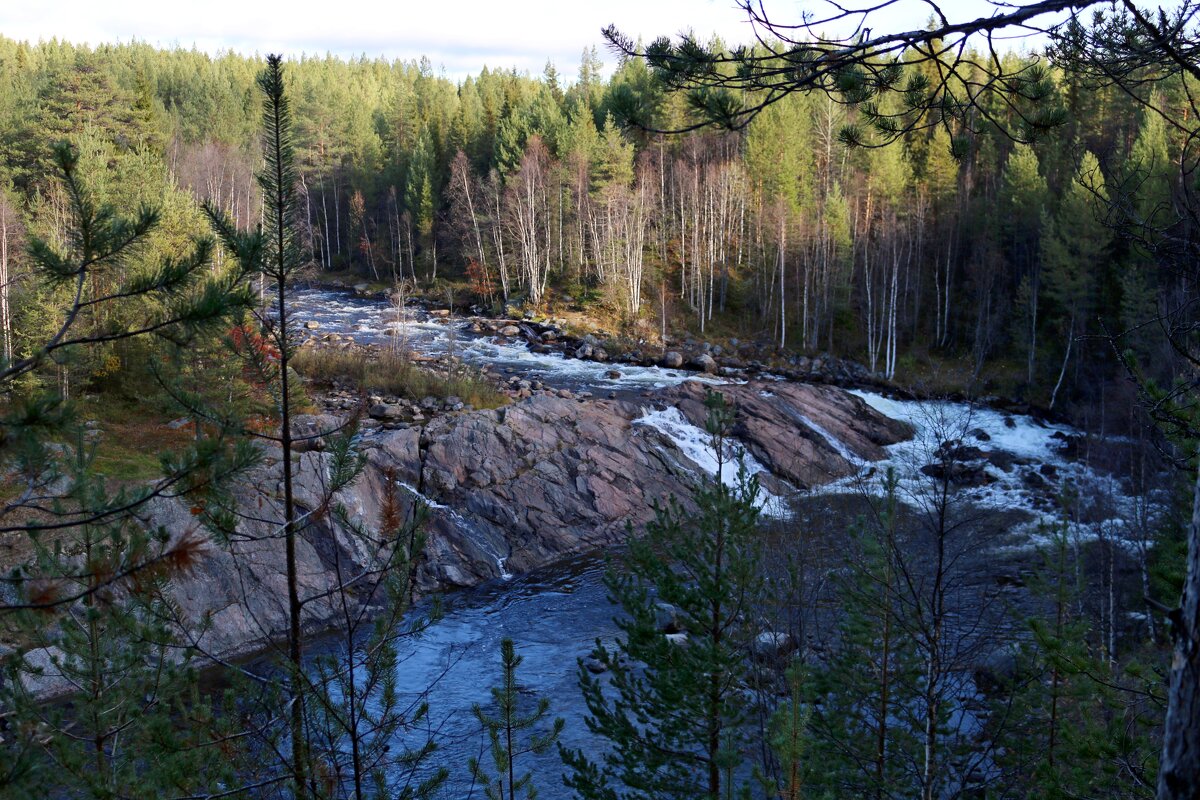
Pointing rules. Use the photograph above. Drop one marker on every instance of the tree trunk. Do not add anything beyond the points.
(5, 317)
(1179, 768)
(1067, 357)
(782, 278)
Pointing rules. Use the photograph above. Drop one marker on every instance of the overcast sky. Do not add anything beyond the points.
(460, 36)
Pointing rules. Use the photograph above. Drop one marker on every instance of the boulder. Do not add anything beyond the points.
(955, 450)
(1034, 481)
(959, 473)
(672, 359)
(385, 411)
(1001, 459)
(666, 617)
(309, 430)
(999, 670)
(510, 331)
(705, 363)
(772, 645)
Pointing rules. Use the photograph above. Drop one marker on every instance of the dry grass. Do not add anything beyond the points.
(390, 373)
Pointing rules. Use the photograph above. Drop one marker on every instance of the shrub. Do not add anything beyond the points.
(385, 372)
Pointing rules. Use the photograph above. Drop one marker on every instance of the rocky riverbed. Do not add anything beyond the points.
(509, 491)
(564, 469)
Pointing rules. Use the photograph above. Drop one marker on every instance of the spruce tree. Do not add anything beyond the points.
(1024, 196)
(674, 710)
(1074, 243)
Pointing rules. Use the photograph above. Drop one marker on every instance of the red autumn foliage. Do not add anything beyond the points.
(480, 279)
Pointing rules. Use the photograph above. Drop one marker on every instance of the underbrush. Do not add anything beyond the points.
(389, 373)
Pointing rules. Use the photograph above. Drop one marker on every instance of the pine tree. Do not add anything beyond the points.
(358, 721)
(1075, 723)
(106, 300)
(90, 611)
(504, 730)
(274, 253)
(102, 637)
(863, 737)
(674, 712)
(790, 738)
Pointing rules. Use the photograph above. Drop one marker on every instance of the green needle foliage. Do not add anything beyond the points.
(789, 736)
(505, 729)
(865, 736)
(97, 634)
(271, 252)
(88, 615)
(359, 723)
(675, 715)
(1072, 722)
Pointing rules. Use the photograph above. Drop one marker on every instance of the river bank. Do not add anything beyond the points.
(584, 450)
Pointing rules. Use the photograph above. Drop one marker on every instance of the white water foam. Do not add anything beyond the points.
(373, 321)
(1030, 444)
(484, 545)
(834, 442)
(429, 501)
(696, 444)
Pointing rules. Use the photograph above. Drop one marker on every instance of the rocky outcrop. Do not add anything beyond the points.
(507, 490)
(805, 434)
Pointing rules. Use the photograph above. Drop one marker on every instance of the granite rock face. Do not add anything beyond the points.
(805, 434)
(507, 491)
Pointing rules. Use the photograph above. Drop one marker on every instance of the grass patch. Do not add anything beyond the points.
(389, 373)
(132, 437)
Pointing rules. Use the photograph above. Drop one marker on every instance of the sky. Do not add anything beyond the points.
(458, 36)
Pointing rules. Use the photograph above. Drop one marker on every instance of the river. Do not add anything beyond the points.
(555, 615)
(370, 320)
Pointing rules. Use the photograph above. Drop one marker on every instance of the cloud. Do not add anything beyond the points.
(462, 35)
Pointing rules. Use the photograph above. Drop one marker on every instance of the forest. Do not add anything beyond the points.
(986, 265)
(829, 401)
